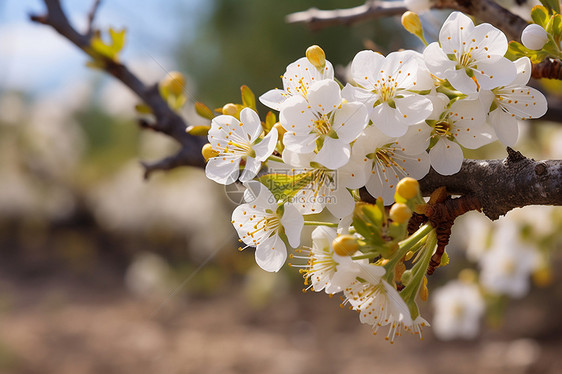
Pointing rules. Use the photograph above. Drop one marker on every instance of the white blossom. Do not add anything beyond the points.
(262, 224)
(297, 80)
(322, 124)
(238, 142)
(458, 309)
(534, 37)
(386, 85)
(470, 58)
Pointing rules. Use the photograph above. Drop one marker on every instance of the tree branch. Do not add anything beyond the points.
(485, 10)
(501, 185)
(92, 16)
(166, 120)
(319, 19)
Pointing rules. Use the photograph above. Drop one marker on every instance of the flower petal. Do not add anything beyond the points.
(251, 169)
(414, 108)
(223, 169)
(324, 96)
(333, 154)
(271, 254)
(386, 119)
(505, 126)
(292, 222)
(446, 157)
(265, 148)
(349, 121)
(274, 98)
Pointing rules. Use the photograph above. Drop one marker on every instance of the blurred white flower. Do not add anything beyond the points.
(458, 309)
(506, 267)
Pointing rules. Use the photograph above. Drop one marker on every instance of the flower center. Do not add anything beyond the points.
(267, 224)
(384, 156)
(442, 129)
(323, 125)
(386, 89)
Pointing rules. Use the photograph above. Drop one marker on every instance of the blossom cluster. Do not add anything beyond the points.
(397, 116)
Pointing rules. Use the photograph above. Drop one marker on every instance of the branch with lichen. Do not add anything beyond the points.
(166, 120)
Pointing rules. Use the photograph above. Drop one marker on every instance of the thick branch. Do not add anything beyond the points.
(485, 10)
(167, 121)
(501, 185)
(318, 19)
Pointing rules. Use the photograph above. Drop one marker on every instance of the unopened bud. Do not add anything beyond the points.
(411, 23)
(408, 188)
(230, 109)
(174, 83)
(208, 152)
(400, 213)
(345, 245)
(316, 56)
(534, 37)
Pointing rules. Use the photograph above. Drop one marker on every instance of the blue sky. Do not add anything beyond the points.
(34, 58)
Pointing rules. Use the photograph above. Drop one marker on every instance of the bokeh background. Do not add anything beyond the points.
(103, 272)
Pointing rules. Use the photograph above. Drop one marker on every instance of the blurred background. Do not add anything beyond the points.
(103, 272)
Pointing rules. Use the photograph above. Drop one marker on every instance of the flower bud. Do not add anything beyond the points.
(208, 152)
(174, 83)
(408, 188)
(345, 245)
(534, 37)
(400, 213)
(230, 109)
(316, 56)
(411, 23)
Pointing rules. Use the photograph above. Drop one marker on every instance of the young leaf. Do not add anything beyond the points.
(540, 15)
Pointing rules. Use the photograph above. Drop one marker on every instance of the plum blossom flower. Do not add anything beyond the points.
(387, 160)
(515, 101)
(385, 85)
(458, 309)
(262, 224)
(297, 80)
(470, 57)
(326, 270)
(379, 304)
(238, 143)
(463, 123)
(322, 124)
(506, 267)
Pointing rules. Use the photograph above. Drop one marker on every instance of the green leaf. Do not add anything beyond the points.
(551, 5)
(109, 50)
(270, 121)
(204, 111)
(540, 15)
(284, 186)
(444, 259)
(517, 50)
(198, 130)
(554, 26)
(248, 97)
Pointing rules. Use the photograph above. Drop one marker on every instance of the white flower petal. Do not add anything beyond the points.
(446, 157)
(343, 204)
(461, 81)
(456, 29)
(505, 126)
(413, 108)
(386, 119)
(300, 143)
(251, 169)
(365, 67)
(324, 96)
(349, 121)
(296, 116)
(496, 74)
(271, 254)
(223, 169)
(436, 60)
(293, 223)
(274, 98)
(333, 154)
(265, 148)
